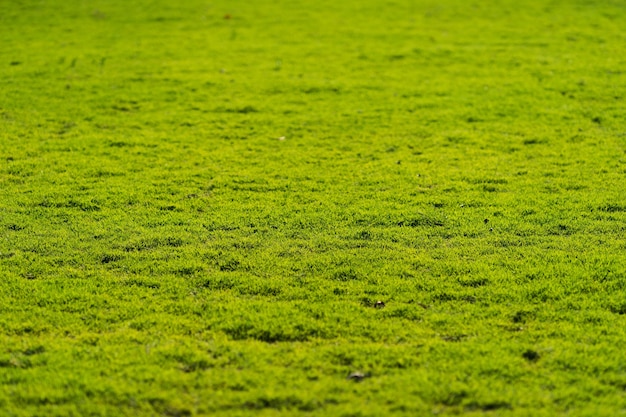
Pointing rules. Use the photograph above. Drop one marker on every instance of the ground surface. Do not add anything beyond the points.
(200, 206)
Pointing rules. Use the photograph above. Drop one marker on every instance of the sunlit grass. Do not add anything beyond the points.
(202, 205)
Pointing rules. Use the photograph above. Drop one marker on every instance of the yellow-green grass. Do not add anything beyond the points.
(202, 203)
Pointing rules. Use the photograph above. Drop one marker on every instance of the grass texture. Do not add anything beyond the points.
(202, 203)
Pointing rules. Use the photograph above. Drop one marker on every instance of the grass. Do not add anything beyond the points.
(201, 204)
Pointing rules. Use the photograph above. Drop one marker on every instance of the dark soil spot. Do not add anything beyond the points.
(531, 355)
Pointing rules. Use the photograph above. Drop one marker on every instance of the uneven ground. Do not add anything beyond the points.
(163, 252)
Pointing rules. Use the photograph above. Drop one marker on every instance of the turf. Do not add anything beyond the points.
(201, 205)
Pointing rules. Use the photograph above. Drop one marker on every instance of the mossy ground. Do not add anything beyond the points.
(201, 203)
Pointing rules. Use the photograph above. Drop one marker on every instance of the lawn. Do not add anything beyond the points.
(352, 208)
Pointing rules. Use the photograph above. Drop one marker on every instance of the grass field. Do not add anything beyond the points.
(202, 204)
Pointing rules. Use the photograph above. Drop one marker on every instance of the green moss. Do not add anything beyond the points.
(201, 206)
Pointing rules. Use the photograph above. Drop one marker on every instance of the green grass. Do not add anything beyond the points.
(201, 204)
